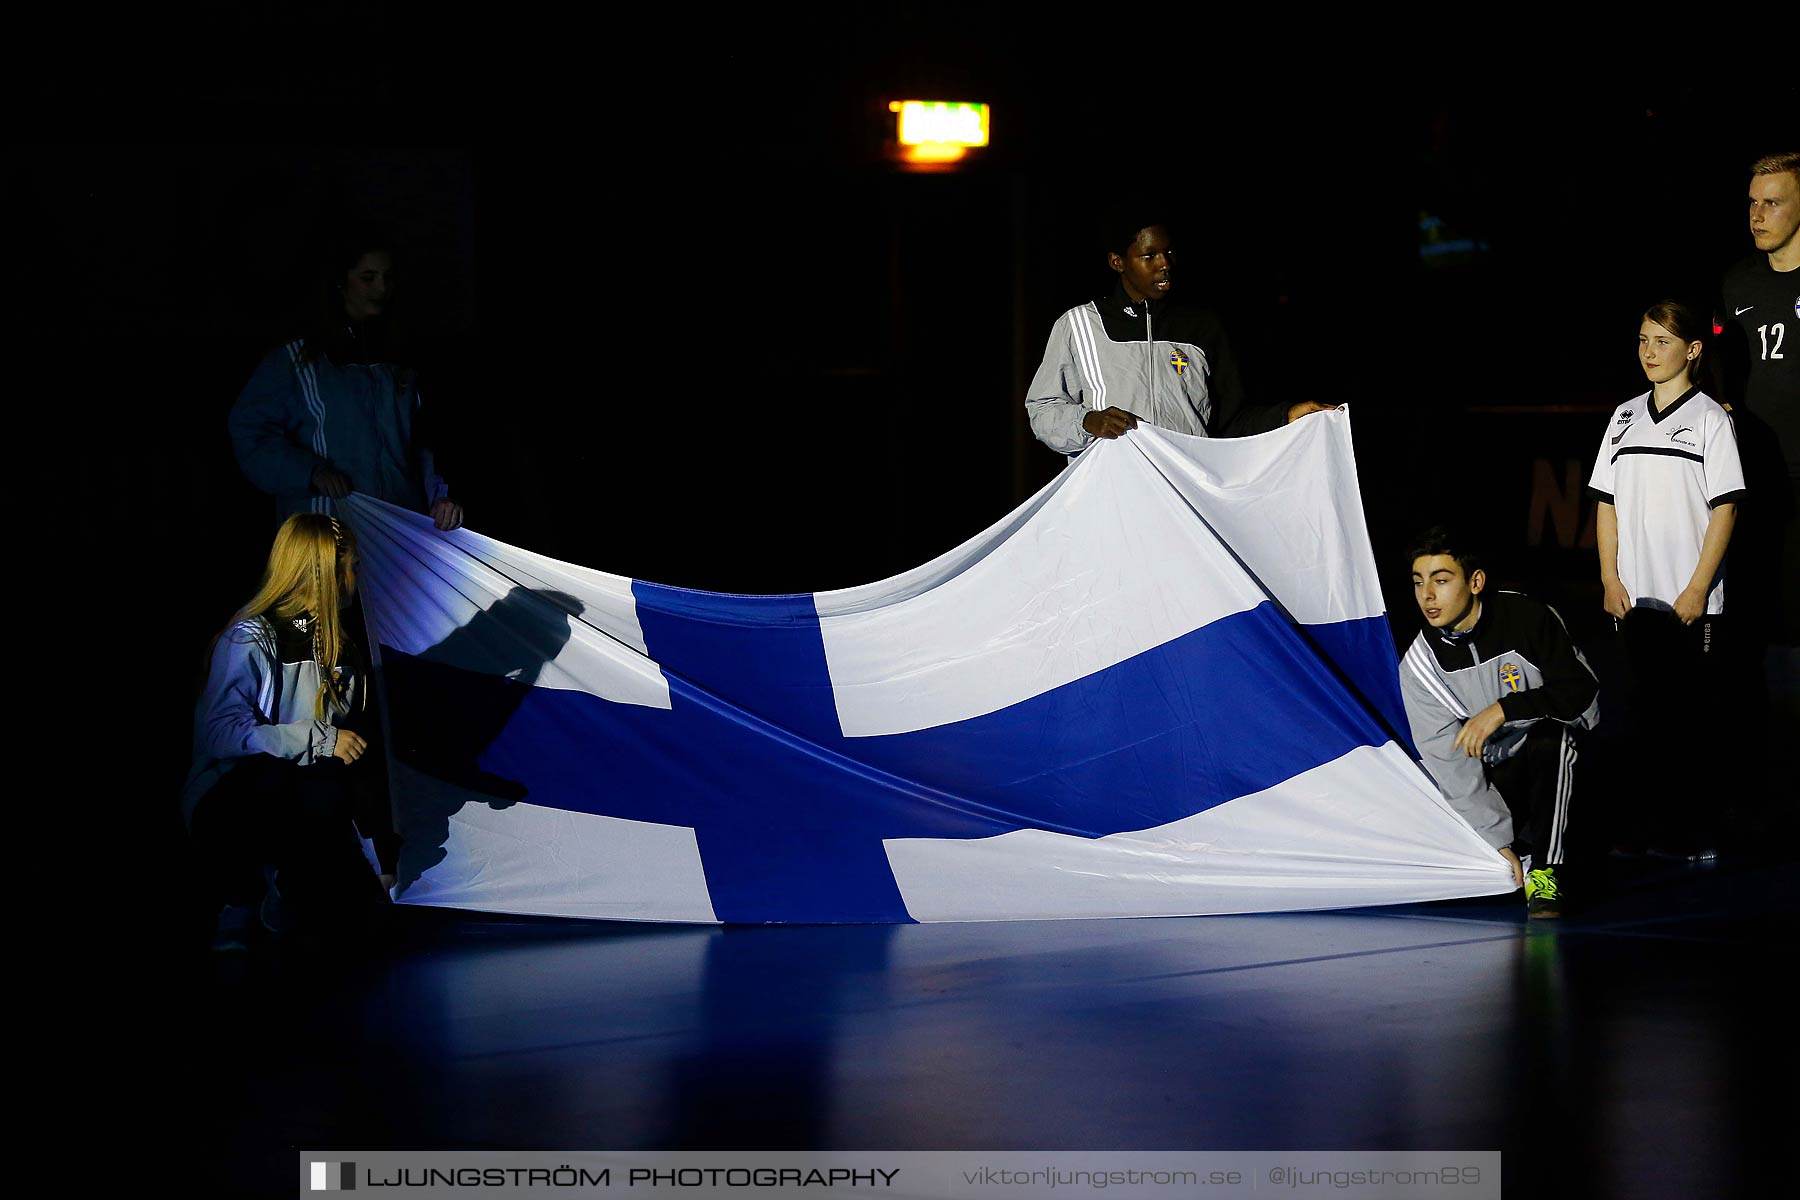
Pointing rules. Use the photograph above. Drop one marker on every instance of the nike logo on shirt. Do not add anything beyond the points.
(1740, 312)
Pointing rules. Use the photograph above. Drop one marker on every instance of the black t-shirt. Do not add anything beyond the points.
(1760, 310)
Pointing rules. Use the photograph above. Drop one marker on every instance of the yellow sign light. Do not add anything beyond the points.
(939, 130)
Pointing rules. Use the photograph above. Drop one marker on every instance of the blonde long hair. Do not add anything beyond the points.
(308, 573)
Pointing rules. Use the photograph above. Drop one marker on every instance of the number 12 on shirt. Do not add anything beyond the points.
(1762, 331)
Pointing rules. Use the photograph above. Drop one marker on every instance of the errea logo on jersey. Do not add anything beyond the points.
(1625, 417)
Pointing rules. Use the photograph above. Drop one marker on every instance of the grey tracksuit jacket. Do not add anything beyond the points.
(1519, 655)
(1168, 363)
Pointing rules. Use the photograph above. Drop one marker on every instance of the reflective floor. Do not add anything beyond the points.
(1644, 1048)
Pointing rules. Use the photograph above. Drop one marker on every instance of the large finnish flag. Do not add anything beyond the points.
(1162, 686)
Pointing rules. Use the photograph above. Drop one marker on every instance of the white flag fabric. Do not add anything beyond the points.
(1163, 686)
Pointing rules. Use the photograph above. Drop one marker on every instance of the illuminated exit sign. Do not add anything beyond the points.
(939, 130)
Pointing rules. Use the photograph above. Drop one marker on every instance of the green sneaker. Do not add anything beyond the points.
(1542, 896)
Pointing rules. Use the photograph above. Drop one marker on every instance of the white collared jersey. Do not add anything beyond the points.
(1665, 472)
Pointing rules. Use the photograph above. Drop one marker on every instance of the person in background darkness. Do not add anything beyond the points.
(332, 412)
(1758, 320)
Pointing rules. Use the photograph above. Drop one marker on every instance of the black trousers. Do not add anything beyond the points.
(1536, 784)
(1680, 678)
(299, 819)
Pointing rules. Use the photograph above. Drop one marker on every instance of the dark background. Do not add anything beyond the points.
(680, 319)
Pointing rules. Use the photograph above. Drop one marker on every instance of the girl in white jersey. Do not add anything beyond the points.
(1668, 480)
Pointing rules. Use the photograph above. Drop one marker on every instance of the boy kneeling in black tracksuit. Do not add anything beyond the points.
(1494, 690)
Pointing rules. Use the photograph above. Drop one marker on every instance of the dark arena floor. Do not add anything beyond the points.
(1641, 1047)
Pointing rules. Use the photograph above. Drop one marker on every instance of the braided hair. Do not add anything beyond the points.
(307, 576)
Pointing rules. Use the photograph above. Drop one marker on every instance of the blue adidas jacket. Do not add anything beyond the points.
(360, 418)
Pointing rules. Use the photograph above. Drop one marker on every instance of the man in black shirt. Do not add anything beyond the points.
(1759, 320)
(1760, 316)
